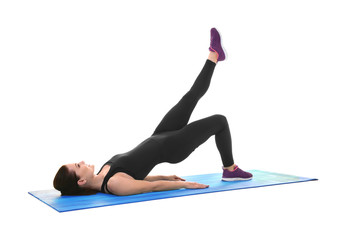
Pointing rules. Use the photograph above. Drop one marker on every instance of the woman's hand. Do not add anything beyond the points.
(194, 185)
(189, 185)
(174, 178)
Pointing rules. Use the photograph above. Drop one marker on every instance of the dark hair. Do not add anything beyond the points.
(67, 183)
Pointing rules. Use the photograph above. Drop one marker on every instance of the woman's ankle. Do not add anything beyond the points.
(213, 56)
(230, 168)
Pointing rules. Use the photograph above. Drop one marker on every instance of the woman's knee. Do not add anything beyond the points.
(221, 119)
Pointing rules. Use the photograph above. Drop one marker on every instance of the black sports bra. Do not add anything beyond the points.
(136, 163)
(115, 167)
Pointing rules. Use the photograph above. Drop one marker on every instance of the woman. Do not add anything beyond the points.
(172, 141)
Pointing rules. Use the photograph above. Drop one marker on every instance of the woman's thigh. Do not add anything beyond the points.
(179, 144)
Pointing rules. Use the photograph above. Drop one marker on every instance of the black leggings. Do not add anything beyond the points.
(174, 139)
(181, 138)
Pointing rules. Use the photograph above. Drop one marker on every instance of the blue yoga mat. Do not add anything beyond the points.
(71, 203)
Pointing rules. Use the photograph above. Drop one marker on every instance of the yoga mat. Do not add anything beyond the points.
(70, 203)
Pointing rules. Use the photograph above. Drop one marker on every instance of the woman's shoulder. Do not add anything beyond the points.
(118, 181)
(123, 184)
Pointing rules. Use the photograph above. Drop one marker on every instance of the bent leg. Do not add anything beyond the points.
(180, 114)
(183, 142)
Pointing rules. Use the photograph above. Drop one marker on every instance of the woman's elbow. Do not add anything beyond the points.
(146, 188)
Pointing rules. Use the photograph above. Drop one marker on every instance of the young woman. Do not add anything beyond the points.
(172, 141)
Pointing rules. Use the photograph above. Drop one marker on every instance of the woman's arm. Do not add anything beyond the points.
(155, 178)
(160, 177)
(173, 185)
(125, 186)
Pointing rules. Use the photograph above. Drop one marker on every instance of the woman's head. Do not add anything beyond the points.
(74, 179)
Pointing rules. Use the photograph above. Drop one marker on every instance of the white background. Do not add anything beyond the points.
(85, 80)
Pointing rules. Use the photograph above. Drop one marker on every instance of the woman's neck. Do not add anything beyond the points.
(96, 182)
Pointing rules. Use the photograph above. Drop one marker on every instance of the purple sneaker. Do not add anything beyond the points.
(215, 45)
(236, 175)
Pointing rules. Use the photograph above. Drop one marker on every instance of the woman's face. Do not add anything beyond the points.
(82, 170)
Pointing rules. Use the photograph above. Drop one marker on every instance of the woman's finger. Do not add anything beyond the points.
(179, 178)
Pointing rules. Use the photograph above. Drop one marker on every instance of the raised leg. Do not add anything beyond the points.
(180, 114)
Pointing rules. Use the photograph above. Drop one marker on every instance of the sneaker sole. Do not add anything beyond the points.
(235, 179)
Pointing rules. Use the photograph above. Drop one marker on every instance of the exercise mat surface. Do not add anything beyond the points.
(70, 203)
